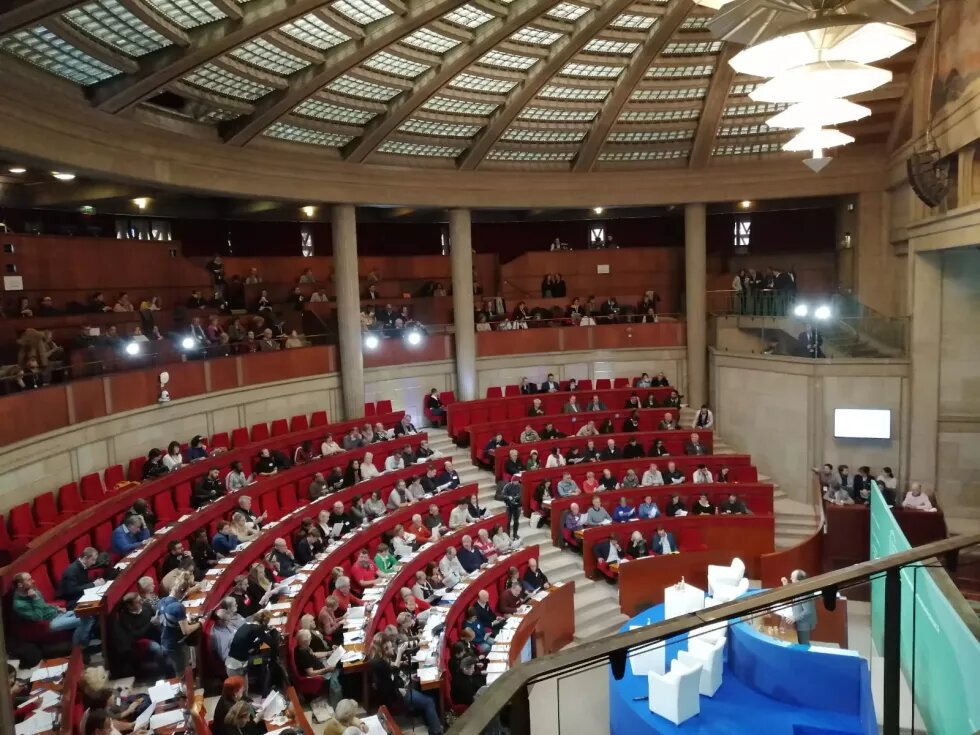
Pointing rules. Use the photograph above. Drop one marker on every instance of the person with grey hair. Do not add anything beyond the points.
(227, 620)
(345, 720)
(470, 557)
(146, 586)
(450, 568)
(310, 665)
(803, 612)
(284, 558)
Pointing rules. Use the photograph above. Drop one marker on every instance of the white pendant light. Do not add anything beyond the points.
(713, 4)
(818, 114)
(812, 139)
(826, 38)
(821, 80)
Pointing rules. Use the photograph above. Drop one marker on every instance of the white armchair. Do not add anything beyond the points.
(651, 659)
(674, 695)
(720, 575)
(709, 656)
(729, 592)
(711, 632)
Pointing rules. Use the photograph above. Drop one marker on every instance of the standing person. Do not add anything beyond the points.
(176, 627)
(803, 613)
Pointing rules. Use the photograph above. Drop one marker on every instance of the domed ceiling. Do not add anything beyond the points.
(489, 84)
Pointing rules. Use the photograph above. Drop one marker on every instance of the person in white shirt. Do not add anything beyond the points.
(368, 470)
(704, 419)
(173, 459)
(702, 475)
(555, 459)
(236, 479)
(394, 462)
(589, 429)
(459, 516)
(450, 568)
(329, 446)
(415, 490)
(381, 434)
(652, 476)
(402, 542)
(915, 499)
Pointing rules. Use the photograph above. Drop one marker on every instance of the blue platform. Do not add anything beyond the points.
(769, 688)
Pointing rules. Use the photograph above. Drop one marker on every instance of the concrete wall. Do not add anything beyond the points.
(781, 410)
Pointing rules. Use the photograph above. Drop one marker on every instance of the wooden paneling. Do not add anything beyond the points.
(624, 336)
(577, 338)
(224, 373)
(134, 389)
(264, 367)
(806, 555)
(517, 342)
(88, 399)
(642, 581)
(33, 412)
(434, 348)
(559, 339)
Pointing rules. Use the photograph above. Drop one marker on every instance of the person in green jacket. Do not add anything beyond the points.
(29, 606)
(385, 559)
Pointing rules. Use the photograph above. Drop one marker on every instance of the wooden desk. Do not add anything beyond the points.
(831, 625)
(550, 624)
(642, 581)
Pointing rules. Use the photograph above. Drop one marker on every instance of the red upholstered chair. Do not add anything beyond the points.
(288, 499)
(183, 495)
(102, 535)
(6, 543)
(431, 417)
(279, 427)
(270, 506)
(318, 418)
(58, 563)
(384, 407)
(606, 570)
(299, 423)
(370, 409)
(308, 687)
(603, 384)
(69, 501)
(260, 432)
(92, 490)
(512, 390)
(447, 397)
(163, 506)
(135, 471)
(494, 392)
(585, 384)
(113, 476)
(239, 437)
(220, 440)
(79, 544)
(621, 383)
(45, 511)
(22, 527)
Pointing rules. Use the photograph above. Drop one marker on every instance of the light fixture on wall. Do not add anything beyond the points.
(597, 210)
(822, 312)
(309, 210)
(17, 170)
(63, 175)
(801, 311)
(413, 338)
(371, 342)
(141, 203)
(745, 204)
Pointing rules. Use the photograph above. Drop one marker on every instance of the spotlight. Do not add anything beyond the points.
(133, 348)
(188, 343)
(800, 310)
(745, 204)
(309, 210)
(371, 342)
(63, 175)
(17, 170)
(597, 210)
(822, 312)
(414, 338)
(141, 202)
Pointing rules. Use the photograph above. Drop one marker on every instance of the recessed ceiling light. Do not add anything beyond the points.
(597, 210)
(63, 176)
(141, 202)
(309, 210)
(17, 170)
(745, 204)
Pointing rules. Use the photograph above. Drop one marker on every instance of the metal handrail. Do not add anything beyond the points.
(511, 687)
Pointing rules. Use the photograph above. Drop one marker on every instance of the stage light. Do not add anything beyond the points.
(414, 338)
(822, 312)
(63, 175)
(141, 202)
(133, 348)
(597, 210)
(309, 210)
(745, 204)
(371, 342)
(800, 310)
(17, 170)
(188, 343)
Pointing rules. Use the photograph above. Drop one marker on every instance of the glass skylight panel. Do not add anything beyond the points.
(188, 13)
(604, 46)
(761, 108)
(675, 115)
(296, 134)
(362, 12)
(747, 149)
(527, 135)
(476, 83)
(314, 31)
(459, 107)
(259, 52)
(468, 16)
(731, 131)
(591, 71)
(658, 95)
(630, 20)
(644, 155)
(213, 78)
(397, 65)
(504, 154)
(439, 129)
(217, 115)
(558, 92)
(567, 11)
(744, 88)
(538, 36)
(691, 71)
(552, 113)
(419, 149)
(692, 48)
(356, 87)
(313, 107)
(44, 49)
(115, 26)
(429, 40)
(508, 61)
(650, 136)
(695, 22)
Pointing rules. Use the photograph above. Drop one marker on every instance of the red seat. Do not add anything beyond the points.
(45, 511)
(22, 527)
(102, 535)
(288, 500)
(220, 440)
(6, 544)
(270, 506)
(69, 501)
(384, 407)
(299, 423)
(279, 427)
(621, 383)
(43, 583)
(494, 392)
(113, 476)
(512, 390)
(239, 437)
(58, 563)
(585, 384)
(135, 471)
(183, 494)
(318, 418)
(370, 409)
(163, 506)
(260, 432)
(447, 397)
(92, 490)
(603, 384)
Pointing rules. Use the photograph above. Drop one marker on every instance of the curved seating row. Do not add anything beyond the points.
(754, 535)
(461, 414)
(673, 440)
(85, 498)
(756, 496)
(568, 424)
(738, 464)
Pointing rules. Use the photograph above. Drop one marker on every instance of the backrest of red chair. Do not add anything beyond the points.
(183, 495)
(384, 407)
(288, 498)
(279, 427)
(621, 383)
(163, 507)
(44, 583)
(102, 536)
(21, 521)
(69, 501)
(447, 397)
(58, 562)
(585, 384)
(92, 489)
(114, 474)
(318, 418)
(269, 503)
(220, 440)
(134, 471)
(260, 432)
(239, 437)
(370, 409)
(512, 390)
(603, 384)
(299, 423)
(80, 542)
(494, 392)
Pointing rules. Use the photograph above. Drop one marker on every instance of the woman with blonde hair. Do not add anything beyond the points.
(368, 470)
(240, 720)
(241, 528)
(344, 718)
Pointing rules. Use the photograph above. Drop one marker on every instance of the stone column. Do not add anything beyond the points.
(695, 270)
(924, 350)
(344, 227)
(461, 253)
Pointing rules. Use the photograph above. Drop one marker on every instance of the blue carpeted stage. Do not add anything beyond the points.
(769, 688)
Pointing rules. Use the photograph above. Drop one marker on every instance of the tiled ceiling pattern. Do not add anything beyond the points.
(549, 84)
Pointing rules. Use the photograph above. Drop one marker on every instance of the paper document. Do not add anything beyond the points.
(373, 724)
(428, 673)
(279, 606)
(162, 691)
(496, 667)
(354, 636)
(352, 656)
(171, 717)
(38, 722)
(272, 705)
(336, 656)
(497, 657)
(355, 613)
(51, 672)
(143, 720)
(215, 572)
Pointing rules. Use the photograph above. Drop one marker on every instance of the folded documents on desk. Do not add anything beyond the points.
(171, 717)
(51, 672)
(162, 691)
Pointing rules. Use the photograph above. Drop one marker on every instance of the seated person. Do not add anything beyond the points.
(676, 506)
(652, 476)
(702, 475)
(485, 613)
(484, 544)
(608, 551)
(364, 572)
(637, 547)
(595, 404)
(597, 515)
(734, 506)
(659, 449)
(555, 459)
(528, 388)
(434, 404)
(450, 568)
(591, 452)
(534, 579)
(511, 598)
(915, 499)
(490, 449)
(460, 515)
(663, 542)
(512, 465)
(466, 682)
(704, 507)
(385, 560)
(694, 446)
(673, 475)
(481, 641)
(610, 452)
(632, 422)
(659, 381)
(573, 522)
(536, 408)
(607, 427)
(590, 485)
(633, 449)
(209, 489)
(402, 542)
(529, 435)
(607, 481)
(449, 477)
(567, 486)
(130, 535)
(224, 541)
(28, 606)
(550, 432)
(470, 557)
(668, 423)
(724, 474)
(374, 507)
(623, 511)
(630, 479)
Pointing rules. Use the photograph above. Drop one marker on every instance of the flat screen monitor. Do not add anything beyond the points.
(862, 423)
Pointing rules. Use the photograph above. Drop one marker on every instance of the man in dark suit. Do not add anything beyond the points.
(611, 452)
(75, 579)
(550, 385)
(811, 342)
(694, 446)
(527, 387)
(663, 542)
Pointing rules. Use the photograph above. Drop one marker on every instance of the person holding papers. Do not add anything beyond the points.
(241, 720)
(429, 481)
(704, 507)
(460, 515)
(570, 524)
(385, 559)
(310, 665)
(474, 509)
(75, 579)
(663, 542)
(673, 476)
(534, 579)
(623, 511)
(449, 478)
(402, 542)
(597, 515)
(607, 481)
(344, 718)
(470, 557)
(511, 599)
(676, 506)
(336, 523)
(345, 598)
(394, 686)
(648, 508)
(375, 507)
(450, 568)
(481, 641)
(132, 534)
(330, 621)
(433, 522)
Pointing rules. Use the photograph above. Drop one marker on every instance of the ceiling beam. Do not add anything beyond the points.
(560, 53)
(714, 105)
(230, 8)
(16, 15)
(157, 21)
(905, 105)
(337, 61)
(657, 38)
(88, 45)
(487, 37)
(206, 43)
